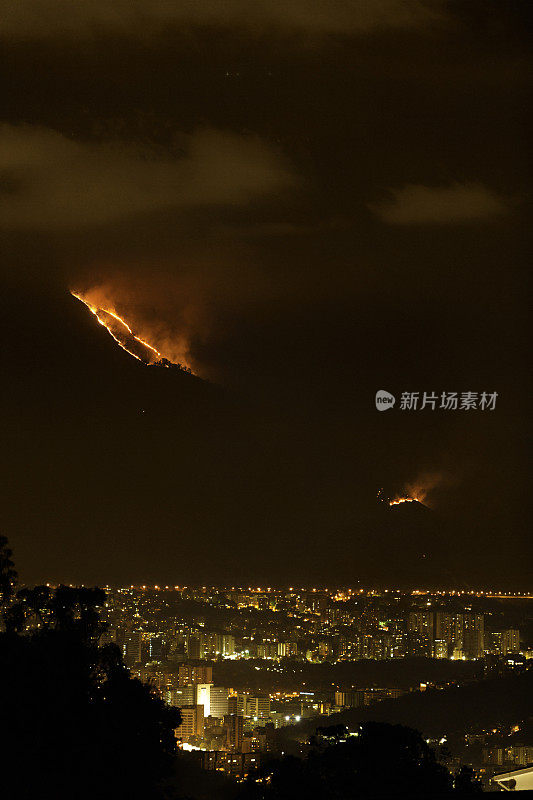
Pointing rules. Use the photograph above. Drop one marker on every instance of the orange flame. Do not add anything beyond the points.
(101, 313)
(399, 500)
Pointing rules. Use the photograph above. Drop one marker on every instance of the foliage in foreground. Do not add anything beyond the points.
(76, 724)
(381, 761)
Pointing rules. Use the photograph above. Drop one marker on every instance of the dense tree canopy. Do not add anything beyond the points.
(77, 724)
(380, 761)
(8, 575)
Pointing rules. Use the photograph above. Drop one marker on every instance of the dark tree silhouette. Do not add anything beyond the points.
(381, 761)
(8, 573)
(76, 724)
(466, 783)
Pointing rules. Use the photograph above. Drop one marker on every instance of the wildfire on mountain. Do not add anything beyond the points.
(399, 500)
(125, 337)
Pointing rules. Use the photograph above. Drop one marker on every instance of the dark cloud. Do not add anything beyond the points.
(442, 205)
(65, 18)
(50, 181)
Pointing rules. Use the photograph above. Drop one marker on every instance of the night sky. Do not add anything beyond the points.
(306, 202)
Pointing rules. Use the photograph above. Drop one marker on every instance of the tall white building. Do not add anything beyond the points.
(214, 699)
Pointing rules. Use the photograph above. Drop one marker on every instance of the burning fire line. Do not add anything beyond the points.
(97, 313)
(123, 321)
(403, 500)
